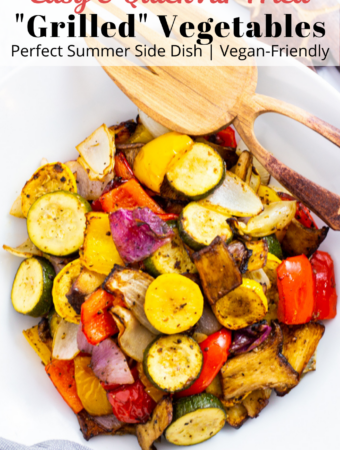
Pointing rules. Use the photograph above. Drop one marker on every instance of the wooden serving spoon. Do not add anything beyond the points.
(200, 100)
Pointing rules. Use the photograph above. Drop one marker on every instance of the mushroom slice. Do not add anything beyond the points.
(133, 338)
(264, 367)
(161, 418)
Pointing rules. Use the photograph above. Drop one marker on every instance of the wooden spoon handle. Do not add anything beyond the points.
(324, 203)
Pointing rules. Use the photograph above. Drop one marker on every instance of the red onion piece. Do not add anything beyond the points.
(109, 423)
(138, 233)
(248, 338)
(109, 364)
(208, 324)
(83, 344)
(90, 190)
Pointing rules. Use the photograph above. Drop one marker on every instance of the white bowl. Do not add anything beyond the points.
(45, 112)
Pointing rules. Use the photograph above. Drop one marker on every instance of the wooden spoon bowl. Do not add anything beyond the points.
(201, 100)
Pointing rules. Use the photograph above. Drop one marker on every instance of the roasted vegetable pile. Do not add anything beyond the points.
(176, 289)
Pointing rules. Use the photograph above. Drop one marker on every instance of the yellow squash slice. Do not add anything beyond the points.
(267, 195)
(173, 303)
(99, 252)
(40, 348)
(61, 286)
(243, 306)
(48, 178)
(258, 258)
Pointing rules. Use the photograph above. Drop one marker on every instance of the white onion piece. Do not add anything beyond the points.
(88, 189)
(16, 209)
(264, 174)
(25, 250)
(83, 344)
(233, 198)
(154, 128)
(275, 217)
(260, 276)
(109, 364)
(208, 324)
(65, 341)
(97, 153)
(133, 284)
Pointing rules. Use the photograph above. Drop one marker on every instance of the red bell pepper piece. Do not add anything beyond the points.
(122, 167)
(61, 374)
(215, 351)
(98, 324)
(227, 136)
(128, 195)
(303, 215)
(325, 291)
(97, 206)
(295, 282)
(130, 402)
(169, 216)
(116, 182)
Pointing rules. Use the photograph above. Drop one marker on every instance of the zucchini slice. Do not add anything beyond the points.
(274, 246)
(48, 178)
(196, 419)
(197, 173)
(170, 258)
(198, 226)
(32, 287)
(173, 363)
(56, 222)
(173, 303)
